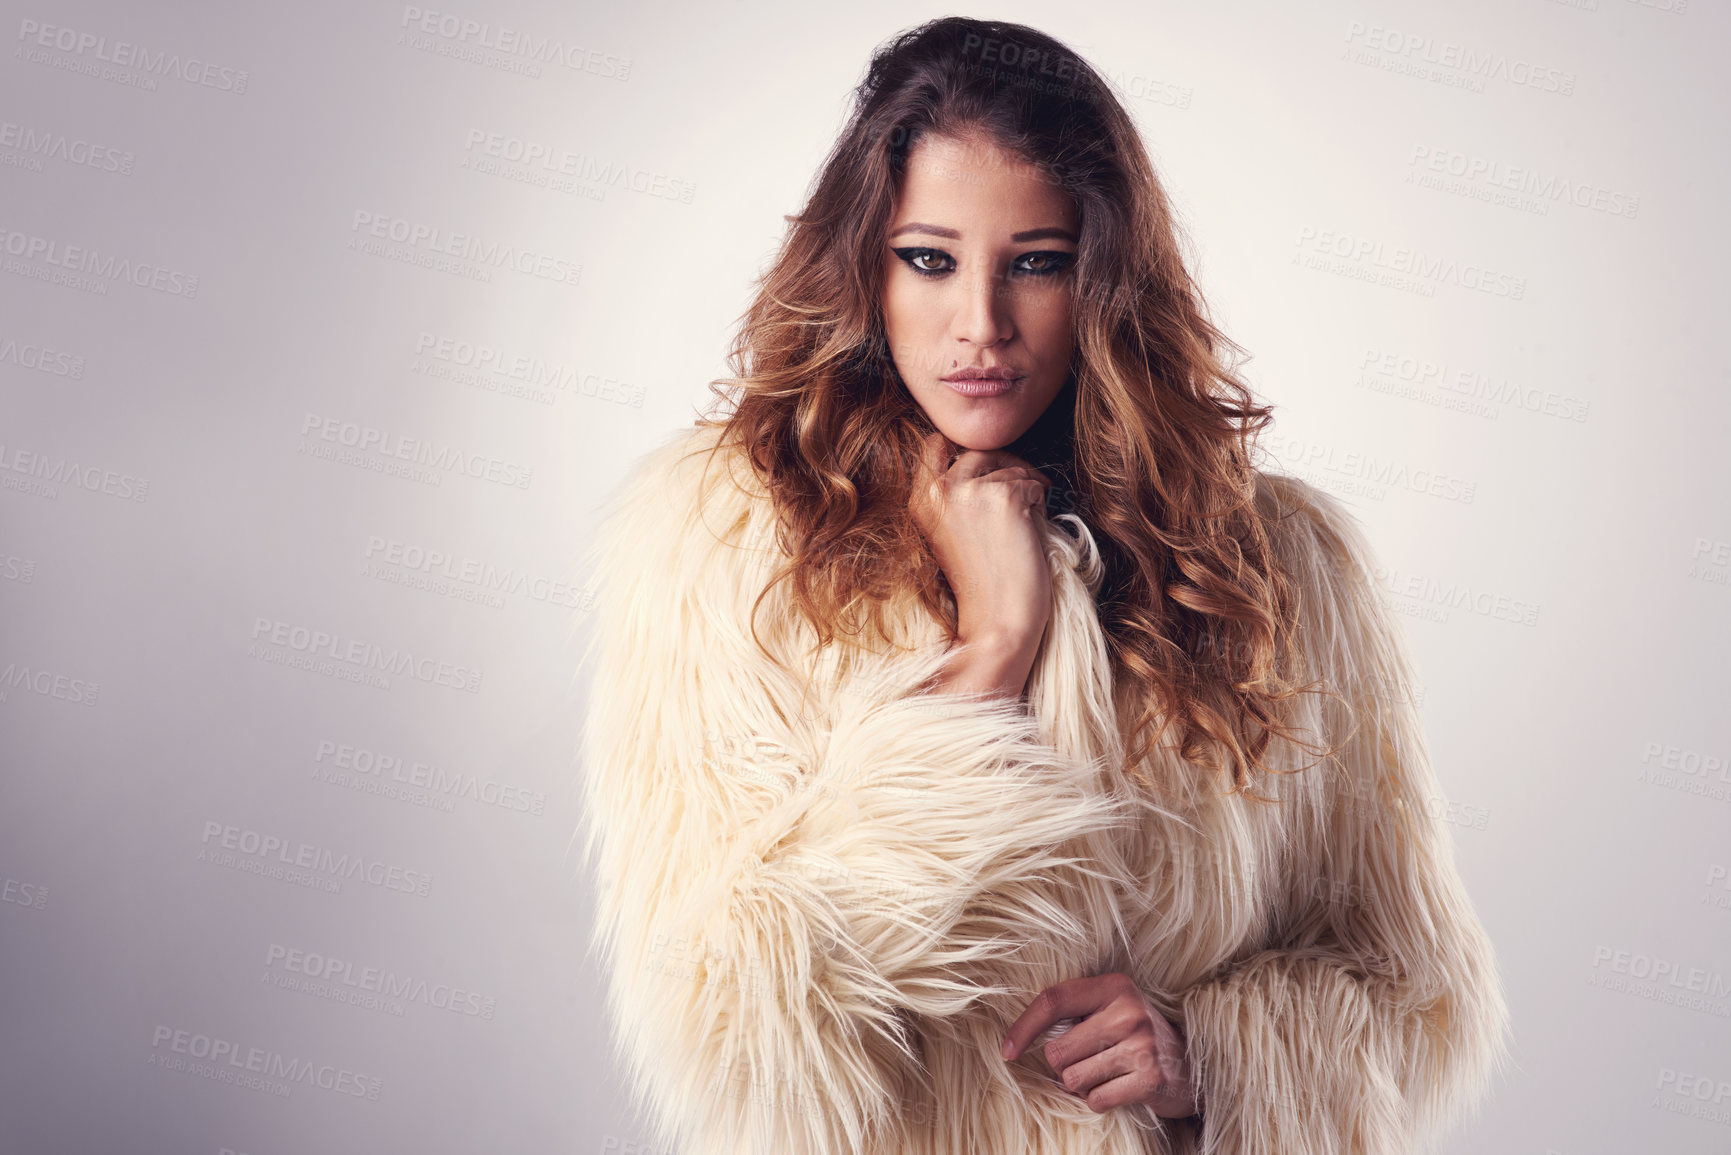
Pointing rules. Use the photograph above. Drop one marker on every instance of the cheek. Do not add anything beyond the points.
(911, 315)
(1046, 323)
(895, 307)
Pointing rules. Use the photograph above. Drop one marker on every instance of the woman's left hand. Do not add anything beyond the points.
(1123, 1050)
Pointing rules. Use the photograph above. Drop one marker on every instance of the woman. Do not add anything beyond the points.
(982, 755)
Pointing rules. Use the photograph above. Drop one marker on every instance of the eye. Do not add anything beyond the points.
(917, 259)
(1044, 264)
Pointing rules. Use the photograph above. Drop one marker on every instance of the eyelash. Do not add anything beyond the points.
(1057, 261)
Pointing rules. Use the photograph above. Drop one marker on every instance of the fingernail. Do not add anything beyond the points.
(1008, 1050)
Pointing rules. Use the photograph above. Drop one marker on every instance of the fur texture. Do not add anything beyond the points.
(822, 897)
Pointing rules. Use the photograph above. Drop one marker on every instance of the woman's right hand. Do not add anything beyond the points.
(983, 515)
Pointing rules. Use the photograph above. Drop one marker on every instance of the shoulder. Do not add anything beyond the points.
(686, 469)
(688, 492)
(1312, 531)
(1321, 546)
(1345, 627)
(684, 557)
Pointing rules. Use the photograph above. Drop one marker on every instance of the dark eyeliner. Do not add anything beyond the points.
(1057, 262)
(907, 255)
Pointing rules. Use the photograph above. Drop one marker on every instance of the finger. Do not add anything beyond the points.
(936, 450)
(978, 462)
(1110, 1026)
(1015, 473)
(1015, 487)
(1009, 494)
(1034, 493)
(1072, 998)
(1175, 1100)
(1134, 1088)
(1122, 1074)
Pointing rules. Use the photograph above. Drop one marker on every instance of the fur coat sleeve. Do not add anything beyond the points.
(1373, 1017)
(822, 894)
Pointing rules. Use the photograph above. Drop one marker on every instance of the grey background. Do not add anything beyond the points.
(164, 511)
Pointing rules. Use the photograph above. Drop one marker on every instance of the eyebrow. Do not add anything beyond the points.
(1027, 235)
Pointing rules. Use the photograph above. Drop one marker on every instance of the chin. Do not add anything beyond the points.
(975, 433)
(981, 425)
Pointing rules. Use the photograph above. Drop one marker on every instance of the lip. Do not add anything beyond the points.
(976, 382)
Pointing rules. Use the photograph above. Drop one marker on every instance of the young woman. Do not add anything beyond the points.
(982, 755)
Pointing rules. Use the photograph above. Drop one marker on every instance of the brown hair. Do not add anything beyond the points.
(1149, 441)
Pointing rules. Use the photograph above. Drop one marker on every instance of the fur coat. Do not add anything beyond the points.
(822, 896)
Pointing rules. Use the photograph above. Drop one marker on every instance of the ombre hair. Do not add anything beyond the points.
(1149, 441)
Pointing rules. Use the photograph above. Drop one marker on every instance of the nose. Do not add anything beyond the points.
(982, 315)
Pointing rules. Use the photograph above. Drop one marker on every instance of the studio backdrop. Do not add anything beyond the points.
(326, 328)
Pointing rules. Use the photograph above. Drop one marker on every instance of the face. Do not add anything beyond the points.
(977, 289)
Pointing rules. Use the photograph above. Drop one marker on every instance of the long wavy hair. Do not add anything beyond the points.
(1149, 441)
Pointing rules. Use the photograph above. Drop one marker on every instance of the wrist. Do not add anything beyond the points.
(994, 663)
(999, 634)
(999, 640)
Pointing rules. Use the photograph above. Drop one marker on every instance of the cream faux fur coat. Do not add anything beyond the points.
(822, 896)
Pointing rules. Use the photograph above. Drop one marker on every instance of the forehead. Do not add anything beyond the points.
(972, 181)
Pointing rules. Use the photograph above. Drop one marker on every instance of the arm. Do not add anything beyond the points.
(1381, 1017)
(784, 878)
(993, 665)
